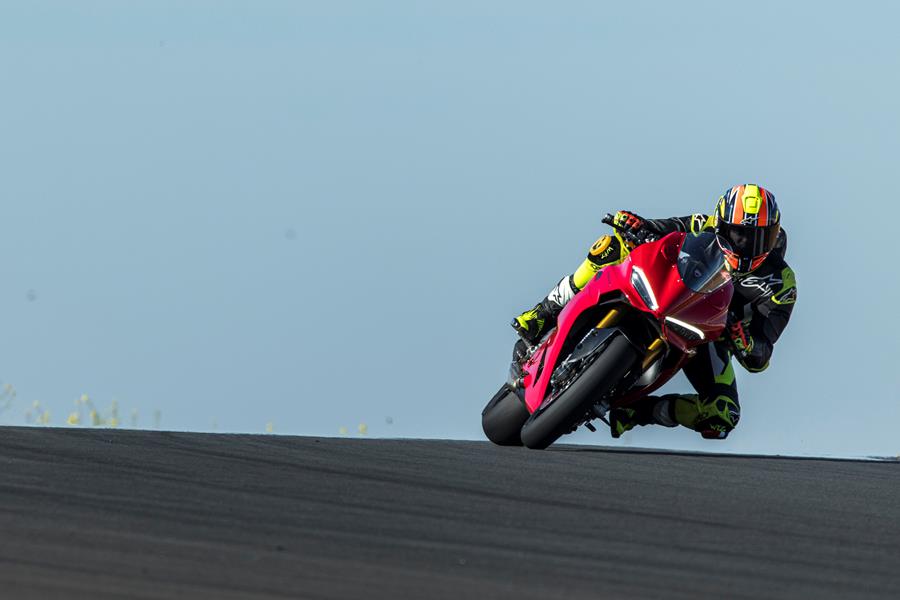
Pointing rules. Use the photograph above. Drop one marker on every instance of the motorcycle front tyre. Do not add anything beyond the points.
(546, 426)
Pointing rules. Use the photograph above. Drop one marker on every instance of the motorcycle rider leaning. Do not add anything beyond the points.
(747, 224)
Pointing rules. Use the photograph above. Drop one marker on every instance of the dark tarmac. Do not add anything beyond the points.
(134, 514)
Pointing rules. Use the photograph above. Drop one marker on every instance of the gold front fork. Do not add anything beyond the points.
(611, 318)
(653, 353)
(656, 348)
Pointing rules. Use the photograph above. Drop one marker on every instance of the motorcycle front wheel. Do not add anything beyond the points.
(547, 425)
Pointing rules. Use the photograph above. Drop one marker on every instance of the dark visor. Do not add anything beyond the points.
(748, 241)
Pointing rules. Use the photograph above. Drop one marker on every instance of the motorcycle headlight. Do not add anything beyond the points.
(685, 330)
(642, 285)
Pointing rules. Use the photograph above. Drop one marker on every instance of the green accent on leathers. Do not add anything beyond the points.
(727, 376)
(788, 292)
(614, 252)
(622, 420)
(687, 411)
(690, 411)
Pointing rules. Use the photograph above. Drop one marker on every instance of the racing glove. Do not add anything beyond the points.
(629, 221)
(740, 338)
(636, 224)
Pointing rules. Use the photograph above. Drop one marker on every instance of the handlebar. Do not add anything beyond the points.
(642, 236)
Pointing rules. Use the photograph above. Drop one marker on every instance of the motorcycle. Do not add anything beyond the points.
(623, 336)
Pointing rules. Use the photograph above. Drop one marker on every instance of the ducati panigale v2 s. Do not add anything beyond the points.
(629, 331)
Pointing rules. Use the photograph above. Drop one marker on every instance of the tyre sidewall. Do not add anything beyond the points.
(547, 425)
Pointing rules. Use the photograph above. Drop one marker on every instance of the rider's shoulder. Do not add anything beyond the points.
(786, 291)
(701, 222)
(774, 277)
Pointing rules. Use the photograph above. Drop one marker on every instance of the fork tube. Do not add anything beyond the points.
(611, 318)
(652, 353)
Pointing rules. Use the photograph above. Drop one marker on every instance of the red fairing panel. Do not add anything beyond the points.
(539, 368)
(658, 261)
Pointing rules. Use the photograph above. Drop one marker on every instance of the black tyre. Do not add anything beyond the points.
(503, 417)
(546, 426)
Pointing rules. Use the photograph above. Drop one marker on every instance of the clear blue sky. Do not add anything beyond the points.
(325, 213)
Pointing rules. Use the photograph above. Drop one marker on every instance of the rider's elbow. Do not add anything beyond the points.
(757, 360)
(755, 364)
(757, 368)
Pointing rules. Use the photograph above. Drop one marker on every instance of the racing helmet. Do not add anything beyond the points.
(747, 226)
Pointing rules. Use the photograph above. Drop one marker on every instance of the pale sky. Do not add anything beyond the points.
(321, 214)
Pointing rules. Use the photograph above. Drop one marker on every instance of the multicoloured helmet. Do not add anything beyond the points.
(747, 226)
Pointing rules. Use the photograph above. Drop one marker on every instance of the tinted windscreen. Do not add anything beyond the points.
(701, 263)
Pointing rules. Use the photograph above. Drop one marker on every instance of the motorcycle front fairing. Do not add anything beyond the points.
(649, 280)
(538, 370)
(687, 317)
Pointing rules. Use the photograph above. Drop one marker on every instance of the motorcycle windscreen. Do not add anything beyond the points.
(701, 263)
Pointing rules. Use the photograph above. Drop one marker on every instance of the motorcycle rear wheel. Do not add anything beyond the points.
(503, 417)
(546, 426)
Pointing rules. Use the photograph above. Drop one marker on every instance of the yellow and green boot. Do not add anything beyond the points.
(651, 410)
(534, 323)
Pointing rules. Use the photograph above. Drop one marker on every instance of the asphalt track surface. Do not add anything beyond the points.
(128, 514)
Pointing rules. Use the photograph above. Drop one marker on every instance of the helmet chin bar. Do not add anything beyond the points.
(733, 263)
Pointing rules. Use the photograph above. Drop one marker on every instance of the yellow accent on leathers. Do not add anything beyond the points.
(584, 273)
(607, 251)
(700, 222)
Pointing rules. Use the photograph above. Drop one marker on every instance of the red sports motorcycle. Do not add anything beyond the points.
(623, 336)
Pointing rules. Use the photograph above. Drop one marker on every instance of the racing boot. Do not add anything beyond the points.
(532, 324)
(652, 410)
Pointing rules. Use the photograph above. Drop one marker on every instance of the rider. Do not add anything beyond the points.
(747, 224)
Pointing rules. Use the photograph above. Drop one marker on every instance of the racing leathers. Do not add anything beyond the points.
(759, 312)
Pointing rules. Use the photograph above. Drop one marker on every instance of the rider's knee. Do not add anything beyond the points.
(714, 418)
(718, 417)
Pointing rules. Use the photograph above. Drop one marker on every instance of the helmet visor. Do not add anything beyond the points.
(748, 241)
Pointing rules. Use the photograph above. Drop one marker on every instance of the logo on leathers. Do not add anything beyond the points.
(765, 284)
